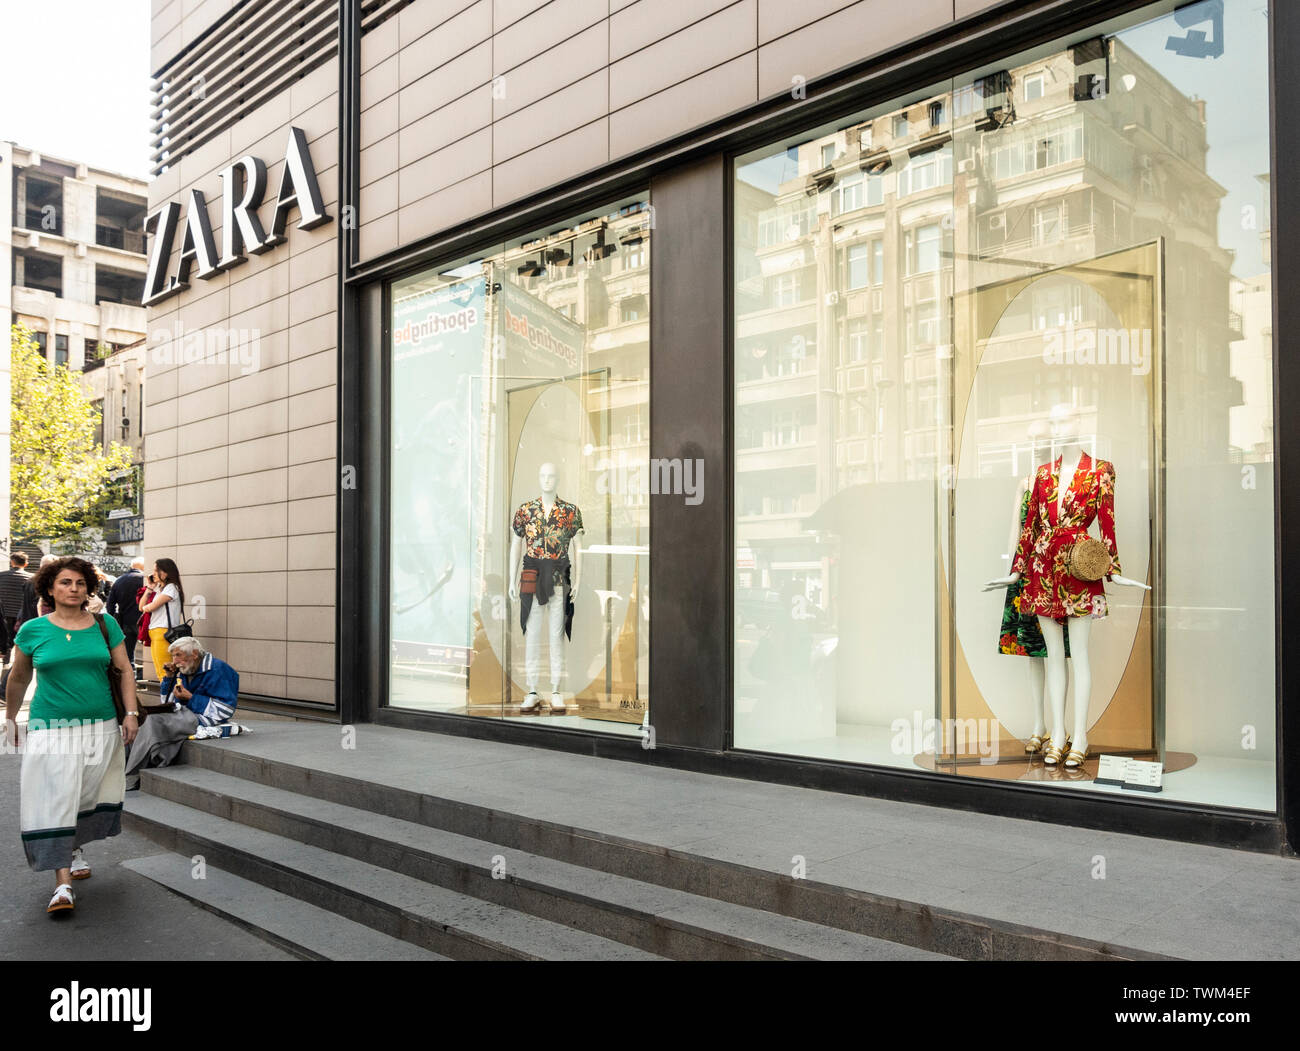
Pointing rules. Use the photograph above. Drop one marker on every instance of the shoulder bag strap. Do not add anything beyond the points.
(99, 620)
(113, 671)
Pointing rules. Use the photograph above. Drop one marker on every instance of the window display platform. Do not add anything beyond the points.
(428, 694)
(1240, 783)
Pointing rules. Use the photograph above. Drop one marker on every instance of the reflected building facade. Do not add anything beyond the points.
(845, 278)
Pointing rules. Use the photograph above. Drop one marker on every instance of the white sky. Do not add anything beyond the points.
(74, 80)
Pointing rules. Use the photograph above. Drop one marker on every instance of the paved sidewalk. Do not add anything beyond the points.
(1165, 897)
(119, 916)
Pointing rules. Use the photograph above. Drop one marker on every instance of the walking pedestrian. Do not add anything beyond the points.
(13, 583)
(124, 606)
(33, 605)
(95, 600)
(29, 608)
(166, 610)
(73, 773)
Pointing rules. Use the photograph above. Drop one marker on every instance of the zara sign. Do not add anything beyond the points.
(242, 186)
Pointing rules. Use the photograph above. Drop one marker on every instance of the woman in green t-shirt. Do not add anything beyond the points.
(74, 759)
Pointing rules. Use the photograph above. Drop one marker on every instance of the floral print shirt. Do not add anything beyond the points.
(547, 536)
(1049, 533)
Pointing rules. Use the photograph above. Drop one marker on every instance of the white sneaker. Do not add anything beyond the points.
(531, 702)
(80, 870)
(63, 900)
(557, 704)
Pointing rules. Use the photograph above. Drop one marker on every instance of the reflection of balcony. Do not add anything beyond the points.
(777, 319)
(622, 335)
(1234, 392)
(777, 457)
(1020, 346)
(1236, 327)
(785, 257)
(1076, 236)
(751, 528)
(777, 388)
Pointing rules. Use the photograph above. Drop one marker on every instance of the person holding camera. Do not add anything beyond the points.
(166, 609)
(201, 690)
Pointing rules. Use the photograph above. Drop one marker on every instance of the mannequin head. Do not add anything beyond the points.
(1063, 424)
(546, 478)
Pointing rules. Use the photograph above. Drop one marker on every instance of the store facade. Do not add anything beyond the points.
(838, 367)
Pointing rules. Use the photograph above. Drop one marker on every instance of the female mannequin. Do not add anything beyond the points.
(1060, 512)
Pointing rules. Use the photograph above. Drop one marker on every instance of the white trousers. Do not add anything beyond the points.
(553, 616)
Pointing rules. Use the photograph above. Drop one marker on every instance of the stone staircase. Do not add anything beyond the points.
(332, 871)
(421, 846)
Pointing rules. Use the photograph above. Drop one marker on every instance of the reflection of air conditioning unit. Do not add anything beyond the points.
(998, 221)
(966, 165)
(832, 298)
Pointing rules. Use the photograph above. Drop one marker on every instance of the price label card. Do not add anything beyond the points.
(1111, 770)
(1144, 777)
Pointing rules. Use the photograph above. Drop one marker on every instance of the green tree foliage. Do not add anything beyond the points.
(58, 474)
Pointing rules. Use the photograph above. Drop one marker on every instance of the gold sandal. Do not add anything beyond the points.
(1036, 742)
(1052, 755)
(1076, 758)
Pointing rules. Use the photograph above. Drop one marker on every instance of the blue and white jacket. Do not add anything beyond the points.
(215, 687)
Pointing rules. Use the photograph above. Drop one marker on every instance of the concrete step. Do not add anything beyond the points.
(880, 916)
(657, 919)
(305, 930)
(433, 918)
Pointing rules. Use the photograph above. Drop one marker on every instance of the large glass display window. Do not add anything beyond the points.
(1003, 443)
(519, 385)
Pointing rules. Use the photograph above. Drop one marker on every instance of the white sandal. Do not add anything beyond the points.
(80, 870)
(63, 900)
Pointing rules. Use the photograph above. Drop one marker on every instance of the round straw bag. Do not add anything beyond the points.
(1088, 559)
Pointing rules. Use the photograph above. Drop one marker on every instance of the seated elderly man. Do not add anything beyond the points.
(202, 691)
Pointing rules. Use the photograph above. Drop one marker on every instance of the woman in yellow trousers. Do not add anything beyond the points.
(165, 604)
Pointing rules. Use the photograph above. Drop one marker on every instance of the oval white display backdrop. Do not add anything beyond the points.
(1020, 378)
(556, 430)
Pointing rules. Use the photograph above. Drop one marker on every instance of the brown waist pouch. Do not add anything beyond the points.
(528, 582)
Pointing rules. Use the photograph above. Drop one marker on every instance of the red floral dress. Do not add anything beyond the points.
(1045, 542)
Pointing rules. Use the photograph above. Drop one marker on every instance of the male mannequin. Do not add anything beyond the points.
(1075, 491)
(546, 540)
